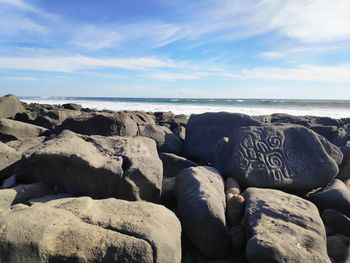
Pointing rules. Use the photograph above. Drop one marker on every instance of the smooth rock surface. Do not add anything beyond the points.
(335, 196)
(284, 156)
(283, 228)
(203, 131)
(10, 106)
(201, 202)
(173, 164)
(336, 221)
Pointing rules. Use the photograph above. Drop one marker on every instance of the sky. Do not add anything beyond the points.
(158, 48)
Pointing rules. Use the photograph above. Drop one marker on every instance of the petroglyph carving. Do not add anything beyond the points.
(264, 151)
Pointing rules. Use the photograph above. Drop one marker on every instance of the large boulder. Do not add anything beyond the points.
(142, 168)
(173, 164)
(283, 156)
(8, 157)
(335, 196)
(283, 228)
(103, 123)
(96, 166)
(201, 207)
(10, 106)
(86, 230)
(16, 130)
(344, 168)
(336, 222)
(22, 193)
(166, 140)
(71, 163)
(203, 131)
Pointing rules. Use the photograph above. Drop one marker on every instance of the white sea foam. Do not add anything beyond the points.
(189, 109)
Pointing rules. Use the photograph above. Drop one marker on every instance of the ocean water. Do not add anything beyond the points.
(329, 108)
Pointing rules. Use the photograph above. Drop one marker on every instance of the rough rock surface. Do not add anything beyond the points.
(16, 130)
(106, 124)
(284, 156)
(283, 228)
(143, 173)
(100, 167)
(201, 207)
(203, 131)
(173, 164)
(8, 157)
(335, 196)
(86, 230)
(10, 106)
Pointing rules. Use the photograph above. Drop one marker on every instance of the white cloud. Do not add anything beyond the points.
(325, 74)
(171, 76)
(314, 20)
(76, 63)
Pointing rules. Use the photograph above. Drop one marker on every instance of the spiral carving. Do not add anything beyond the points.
(274, 141)
(274, 160)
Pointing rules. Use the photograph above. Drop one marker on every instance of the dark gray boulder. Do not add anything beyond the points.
(16, 130)
(344, 168)
(72, 106)
(166, 140)
(86, 230)
(96, 166)
(201, 203)
(106, 124)
(10, 106)
(338, 247)
(203, 131)
(337, 222)
(278, 156)
(283, 228)
(173, 164)
(335, 196)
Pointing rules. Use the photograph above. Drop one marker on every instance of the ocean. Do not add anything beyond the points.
(329, 108)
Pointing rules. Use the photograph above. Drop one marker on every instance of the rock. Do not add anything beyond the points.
(201, 209)
(203, 131)
(234, 208)
(335, 196)
(232, 186)
(140, 117)
(168, 198)
(173, 164)
(344, 168)
(106, 124)
(282, 228)
(170, 120)
(48, 198)
(25, 144)
(72, 106)
(165, 139)
(143, 173)
(338, 222)
(337, 247)
(284, 156)
(22, 193)
(74, 165)
(237, 236)
(100, 167)
(180, 132)
(86, 230)
(10, 106)
(15, 130)
(8, 157)
(9, 182)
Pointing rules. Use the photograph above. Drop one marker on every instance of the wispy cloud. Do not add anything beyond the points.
(76, 63)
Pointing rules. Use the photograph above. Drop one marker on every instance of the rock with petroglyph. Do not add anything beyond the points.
(278, 156)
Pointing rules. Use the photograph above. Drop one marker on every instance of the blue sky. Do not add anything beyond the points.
(154, 48)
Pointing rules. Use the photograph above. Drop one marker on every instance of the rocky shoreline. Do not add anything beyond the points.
(80, 185)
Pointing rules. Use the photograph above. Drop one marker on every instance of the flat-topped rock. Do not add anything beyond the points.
(203, 131)
(16, 130)
(86, 230)
(283, 228)
(278, 156)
